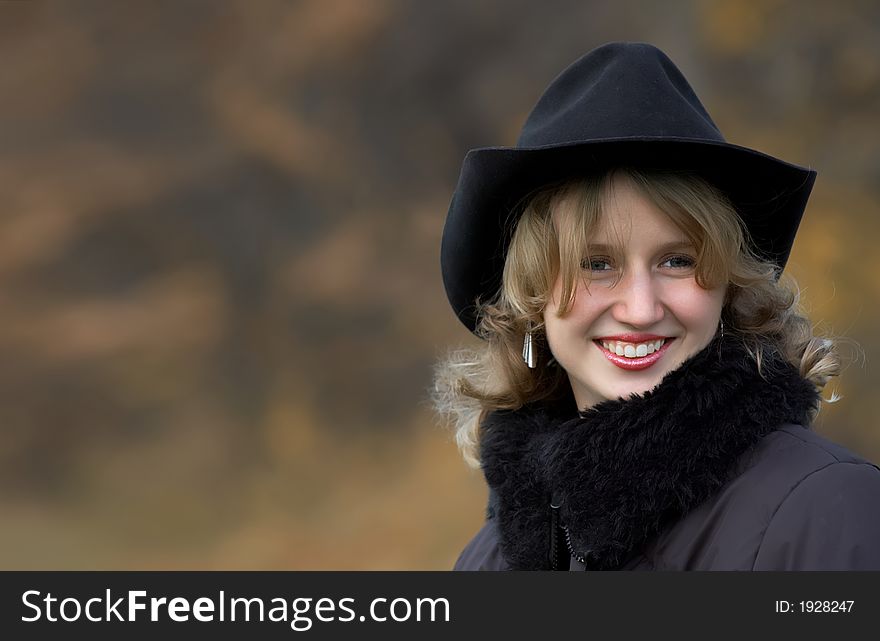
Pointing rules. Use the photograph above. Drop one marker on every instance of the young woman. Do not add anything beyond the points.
(646, 385)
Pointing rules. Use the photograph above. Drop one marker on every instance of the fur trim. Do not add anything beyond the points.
(623, 470)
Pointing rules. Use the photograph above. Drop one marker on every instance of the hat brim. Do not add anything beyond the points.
(769, 194)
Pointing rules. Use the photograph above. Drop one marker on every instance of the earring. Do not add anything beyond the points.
(528, 352)
(722, 327)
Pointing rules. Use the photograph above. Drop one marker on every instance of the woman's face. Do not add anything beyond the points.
(639, 314)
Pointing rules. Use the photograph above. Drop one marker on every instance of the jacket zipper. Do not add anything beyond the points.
(570, 547)
(558, 534)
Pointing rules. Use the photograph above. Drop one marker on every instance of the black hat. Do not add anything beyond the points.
(622, 104)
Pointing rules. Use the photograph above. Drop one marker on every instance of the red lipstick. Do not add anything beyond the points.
(638, 363)
(631, 338)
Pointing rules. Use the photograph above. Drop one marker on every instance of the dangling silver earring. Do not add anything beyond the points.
(722, 327)
(528, 352)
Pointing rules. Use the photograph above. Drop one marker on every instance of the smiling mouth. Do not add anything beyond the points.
(633, 356)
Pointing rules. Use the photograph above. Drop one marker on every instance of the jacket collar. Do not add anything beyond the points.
(623, 470)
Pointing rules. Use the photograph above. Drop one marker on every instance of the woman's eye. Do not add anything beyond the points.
(597, 264)
(678, 262)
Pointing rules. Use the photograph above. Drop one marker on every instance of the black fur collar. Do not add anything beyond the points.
(625, 469)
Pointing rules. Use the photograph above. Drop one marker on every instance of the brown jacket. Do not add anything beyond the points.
(799, 502)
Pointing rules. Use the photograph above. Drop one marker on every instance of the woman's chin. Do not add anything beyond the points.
(646, 381)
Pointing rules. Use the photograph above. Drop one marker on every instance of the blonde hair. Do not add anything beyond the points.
(760, 309)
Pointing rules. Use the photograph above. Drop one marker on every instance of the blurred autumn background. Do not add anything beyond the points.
(220, 298)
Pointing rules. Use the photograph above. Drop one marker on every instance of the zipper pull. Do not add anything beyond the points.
(558, 553)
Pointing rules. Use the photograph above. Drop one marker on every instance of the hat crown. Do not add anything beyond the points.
(619, 90)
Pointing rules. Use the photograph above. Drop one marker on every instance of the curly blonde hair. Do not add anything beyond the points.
(760, 308)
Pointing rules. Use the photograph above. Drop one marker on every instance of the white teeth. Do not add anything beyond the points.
(633, 350)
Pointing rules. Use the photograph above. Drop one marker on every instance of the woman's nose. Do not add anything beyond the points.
(638, 300)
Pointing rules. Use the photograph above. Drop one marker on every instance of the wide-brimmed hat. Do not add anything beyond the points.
(622, 104)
